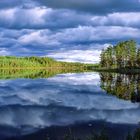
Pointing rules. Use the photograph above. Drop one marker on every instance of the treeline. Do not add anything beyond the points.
(123, 55)
(35, 62)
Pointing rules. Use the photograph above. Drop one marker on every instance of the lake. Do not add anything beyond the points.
(77, 103)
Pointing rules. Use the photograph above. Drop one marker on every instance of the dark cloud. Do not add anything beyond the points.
(5, 4)
(40, 18)
(80, 34)
(94, 6)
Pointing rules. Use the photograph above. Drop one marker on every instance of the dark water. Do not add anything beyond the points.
(77, 102)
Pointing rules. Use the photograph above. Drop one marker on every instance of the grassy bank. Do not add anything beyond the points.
(37, 67)
(11, 62)
(8, 62)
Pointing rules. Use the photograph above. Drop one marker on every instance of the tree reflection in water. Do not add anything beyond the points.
(36, 73)
(123, 86)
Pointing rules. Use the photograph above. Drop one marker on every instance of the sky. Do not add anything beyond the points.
(66, 30)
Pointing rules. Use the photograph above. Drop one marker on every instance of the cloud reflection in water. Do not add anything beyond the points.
(27, 104)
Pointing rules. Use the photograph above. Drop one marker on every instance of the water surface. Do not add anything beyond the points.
(28, 106)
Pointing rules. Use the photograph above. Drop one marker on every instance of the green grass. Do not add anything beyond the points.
(10, 62)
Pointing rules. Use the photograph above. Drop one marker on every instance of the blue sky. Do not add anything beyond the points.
(67, 30)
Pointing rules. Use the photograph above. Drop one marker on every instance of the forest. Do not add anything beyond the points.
(123, 55)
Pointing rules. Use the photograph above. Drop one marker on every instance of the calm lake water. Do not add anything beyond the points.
(80, 102)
